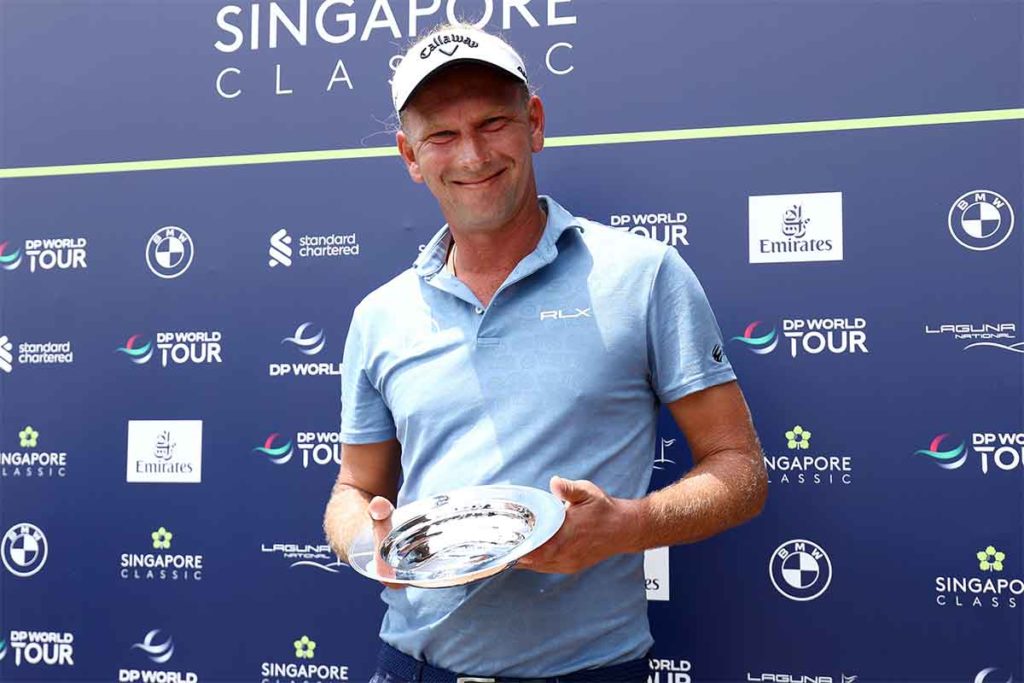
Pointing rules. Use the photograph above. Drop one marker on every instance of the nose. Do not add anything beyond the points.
(472, 152)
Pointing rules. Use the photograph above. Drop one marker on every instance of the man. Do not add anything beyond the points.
(529, 346)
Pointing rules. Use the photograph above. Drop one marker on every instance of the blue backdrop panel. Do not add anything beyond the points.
(892, 545)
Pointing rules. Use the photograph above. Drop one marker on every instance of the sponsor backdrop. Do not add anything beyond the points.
(195, 195)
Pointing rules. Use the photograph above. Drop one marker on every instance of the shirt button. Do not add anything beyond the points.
(479, 311)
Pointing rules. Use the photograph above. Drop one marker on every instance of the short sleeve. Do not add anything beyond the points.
(685, 348)
(365, 418)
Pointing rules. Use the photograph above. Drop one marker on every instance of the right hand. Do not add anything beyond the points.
(380, 510)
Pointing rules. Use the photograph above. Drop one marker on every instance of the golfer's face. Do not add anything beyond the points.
(469, 135)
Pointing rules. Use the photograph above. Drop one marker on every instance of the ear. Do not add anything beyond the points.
(408, 155)
(535, 110)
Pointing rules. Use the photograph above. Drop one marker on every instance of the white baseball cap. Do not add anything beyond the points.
(460, 43)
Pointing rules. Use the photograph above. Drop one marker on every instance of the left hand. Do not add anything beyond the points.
(596, 527)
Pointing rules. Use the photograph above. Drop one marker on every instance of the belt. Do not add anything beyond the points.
(413, 670)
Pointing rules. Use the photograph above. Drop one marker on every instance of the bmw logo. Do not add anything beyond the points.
(800, 570)
(980, 220)
(24, 549)
(169, 252)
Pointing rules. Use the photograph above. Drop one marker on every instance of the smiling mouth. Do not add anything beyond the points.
(479, 183)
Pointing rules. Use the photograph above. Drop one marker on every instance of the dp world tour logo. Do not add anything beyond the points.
(157, 652)
(9, 261)
(138, 352)
(760, 344)
(309, 345)
(951, 459)
(800, 570)
(278, 455)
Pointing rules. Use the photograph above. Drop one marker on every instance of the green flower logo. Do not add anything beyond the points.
(798, 438)
(304, 648)
(29, 437)
(162, 539)
(990, 560)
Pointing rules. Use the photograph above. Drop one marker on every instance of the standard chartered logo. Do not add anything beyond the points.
(6, 357)
(329, 246)
(280, 249)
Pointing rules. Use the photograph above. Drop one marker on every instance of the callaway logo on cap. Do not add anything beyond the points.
(459, 43)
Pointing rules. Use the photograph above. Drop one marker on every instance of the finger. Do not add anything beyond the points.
(380, 510)
(571, 491)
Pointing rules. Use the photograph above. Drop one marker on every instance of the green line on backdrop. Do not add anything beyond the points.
(563, 141)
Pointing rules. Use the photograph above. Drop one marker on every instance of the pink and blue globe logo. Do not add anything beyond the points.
(137, 351)
(9, 260)
(278, 455)
(950, 459)
(758, 343)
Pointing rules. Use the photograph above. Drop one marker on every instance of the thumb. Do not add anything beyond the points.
(380, 508)
(570, 491)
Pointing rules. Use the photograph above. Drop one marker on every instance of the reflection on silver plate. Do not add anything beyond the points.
(458, 537)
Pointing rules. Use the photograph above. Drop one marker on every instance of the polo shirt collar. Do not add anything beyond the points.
(559, 220)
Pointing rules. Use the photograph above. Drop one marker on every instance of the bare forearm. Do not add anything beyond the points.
(722, 491)
(345, 516)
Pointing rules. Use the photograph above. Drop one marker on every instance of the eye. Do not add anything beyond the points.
(494, 123)
(441, 136)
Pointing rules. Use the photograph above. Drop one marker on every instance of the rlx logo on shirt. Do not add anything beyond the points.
(565, 314)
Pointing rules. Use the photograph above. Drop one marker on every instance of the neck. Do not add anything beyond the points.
(499, 251)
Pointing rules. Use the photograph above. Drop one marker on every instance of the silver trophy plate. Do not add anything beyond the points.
(457, 537)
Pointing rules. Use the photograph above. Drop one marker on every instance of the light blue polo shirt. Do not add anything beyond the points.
(561, 374)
